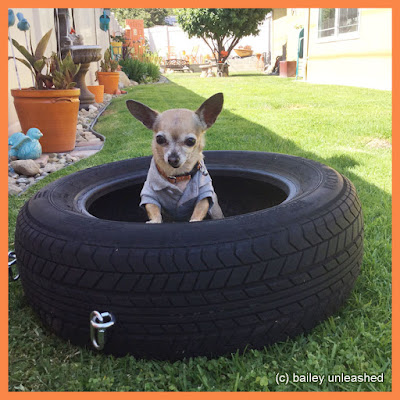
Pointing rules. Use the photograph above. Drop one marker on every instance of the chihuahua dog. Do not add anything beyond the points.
(178, 185)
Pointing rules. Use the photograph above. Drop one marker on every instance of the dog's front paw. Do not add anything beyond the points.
(195, 220)
(154, 221)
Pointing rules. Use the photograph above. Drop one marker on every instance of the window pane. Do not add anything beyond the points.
(348, 20)
(326, 25)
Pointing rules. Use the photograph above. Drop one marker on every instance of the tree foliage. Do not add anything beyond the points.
(221, 28)
(150, 16)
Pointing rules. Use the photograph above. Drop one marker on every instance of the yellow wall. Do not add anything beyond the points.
(365, 61)
(286, 26)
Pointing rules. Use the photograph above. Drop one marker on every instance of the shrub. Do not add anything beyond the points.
(134, 69)
(153, 72)
(140, 71)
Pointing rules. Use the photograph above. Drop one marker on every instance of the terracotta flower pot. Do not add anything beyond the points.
(98, 92)
(109, 80)
(53, 112)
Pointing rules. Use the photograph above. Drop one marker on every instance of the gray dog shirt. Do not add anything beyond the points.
(178, 204)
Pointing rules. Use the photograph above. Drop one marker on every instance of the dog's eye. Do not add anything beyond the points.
(190, 141)
(160, 139)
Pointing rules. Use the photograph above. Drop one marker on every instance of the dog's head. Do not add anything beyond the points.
(178, 133)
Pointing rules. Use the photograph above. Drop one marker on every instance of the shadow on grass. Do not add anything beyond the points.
(234, 127)
(271, 142)
(361, 321)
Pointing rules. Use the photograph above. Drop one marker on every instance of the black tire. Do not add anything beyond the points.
(187, 289)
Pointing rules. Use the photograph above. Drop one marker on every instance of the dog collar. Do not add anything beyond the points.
(179, 178)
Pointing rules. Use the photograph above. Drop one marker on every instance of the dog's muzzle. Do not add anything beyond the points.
(174, 160)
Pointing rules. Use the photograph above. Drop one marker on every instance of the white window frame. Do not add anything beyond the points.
(339, 36)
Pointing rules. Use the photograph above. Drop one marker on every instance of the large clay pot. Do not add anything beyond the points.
(54, 112)
(109, 80)
(98, 91)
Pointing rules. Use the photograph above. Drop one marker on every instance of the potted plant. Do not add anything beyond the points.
(52, 105)
(108, 76)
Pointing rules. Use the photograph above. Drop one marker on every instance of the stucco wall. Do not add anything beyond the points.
(364, 61)
(41, 20)
(286, 26)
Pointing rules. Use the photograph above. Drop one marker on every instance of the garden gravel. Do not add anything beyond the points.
(86, 145)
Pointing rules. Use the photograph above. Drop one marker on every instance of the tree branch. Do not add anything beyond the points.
(233, 44)
(212, 51)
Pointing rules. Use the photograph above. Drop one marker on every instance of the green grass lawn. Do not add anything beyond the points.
(346, 128)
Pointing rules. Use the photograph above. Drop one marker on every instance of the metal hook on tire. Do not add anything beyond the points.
(99, 322)
(13, 257)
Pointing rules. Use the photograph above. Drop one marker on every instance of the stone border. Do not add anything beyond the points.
(23, 173)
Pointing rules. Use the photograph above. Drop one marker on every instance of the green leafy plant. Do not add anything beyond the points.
(153, 72)
(134, 69)
(108, 64)
(150, 16)
(63, 71)
(140, 71)
(36, 61)
(59, 73)
(221, 28)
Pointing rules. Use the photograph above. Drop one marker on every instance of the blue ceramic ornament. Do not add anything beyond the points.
(11, 17)
(26, 147)
(23, 24)
(104, 22)
(12, 141)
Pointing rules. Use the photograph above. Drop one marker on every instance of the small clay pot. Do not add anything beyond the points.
(98, 92)
(109, 80)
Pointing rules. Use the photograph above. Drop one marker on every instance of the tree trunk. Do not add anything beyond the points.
(222, 70)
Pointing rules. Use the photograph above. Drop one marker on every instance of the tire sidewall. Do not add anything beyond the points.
(57, 207)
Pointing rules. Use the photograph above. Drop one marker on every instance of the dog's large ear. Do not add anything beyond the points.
(210, 109)
(144, 114)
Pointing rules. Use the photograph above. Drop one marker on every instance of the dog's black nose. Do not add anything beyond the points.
(174, 160)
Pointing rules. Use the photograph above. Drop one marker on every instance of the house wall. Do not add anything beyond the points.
(41, 20)
(286, 26)
(365, 61)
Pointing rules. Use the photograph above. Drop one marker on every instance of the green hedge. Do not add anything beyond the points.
(140, 71)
